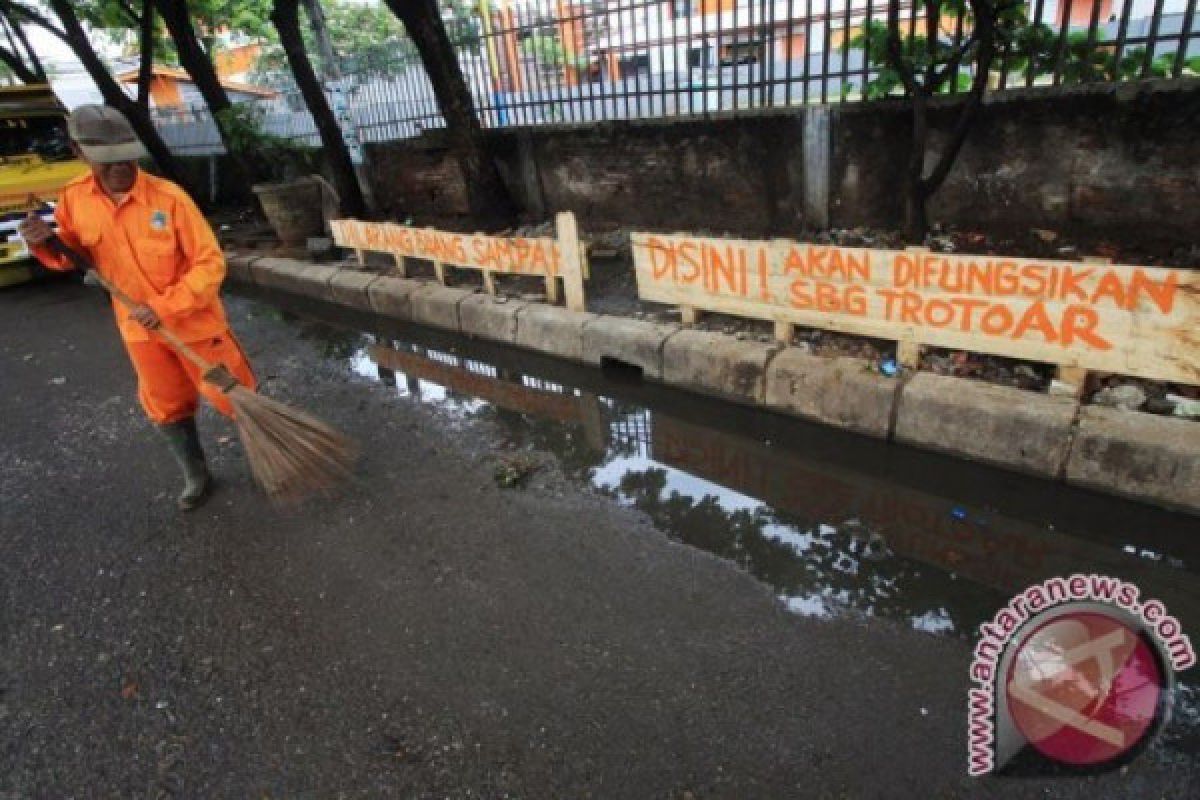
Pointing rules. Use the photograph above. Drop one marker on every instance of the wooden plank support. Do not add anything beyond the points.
(1074, 377)
(401, 266)
(784, 331)
(572, 268)
(489, 282)
(360, 256)
(688, 315)
(908, 354)
(439, 270)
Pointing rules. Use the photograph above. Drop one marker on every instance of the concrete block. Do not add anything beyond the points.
(843, 392)
(237, 267)
(314, 280)
(1010, 428)
(631, 341)
(490, 317)
(349, 287)
(288, 275)
(552, 330)
(1146, 457)
(437, 306)
(717, 363)
(392, 297)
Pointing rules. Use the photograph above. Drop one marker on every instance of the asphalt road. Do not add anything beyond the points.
(425, 633)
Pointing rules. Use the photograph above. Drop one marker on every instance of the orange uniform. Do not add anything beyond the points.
(157, 247)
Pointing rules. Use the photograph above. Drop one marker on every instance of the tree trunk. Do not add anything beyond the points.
(915, 219)
(198, 64)
(75, 37)
(488, 198)
(285, 17)
(146, 43)
(316, 17)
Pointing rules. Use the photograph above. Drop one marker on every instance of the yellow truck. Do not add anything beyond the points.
(35, 161)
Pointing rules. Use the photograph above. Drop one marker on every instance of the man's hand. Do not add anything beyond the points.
(145, 316)
(35, 230)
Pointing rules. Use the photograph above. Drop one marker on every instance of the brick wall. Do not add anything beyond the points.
(1090, 162)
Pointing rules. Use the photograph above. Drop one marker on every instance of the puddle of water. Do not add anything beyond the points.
(835, 524)
(831, 529)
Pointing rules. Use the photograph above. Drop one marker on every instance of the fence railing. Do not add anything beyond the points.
(539, 62)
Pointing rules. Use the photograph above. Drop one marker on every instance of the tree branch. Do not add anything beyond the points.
(146, 43)
(985, 22)
(16, 10)
(896, 58)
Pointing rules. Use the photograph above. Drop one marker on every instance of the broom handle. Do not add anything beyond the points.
(80, 262)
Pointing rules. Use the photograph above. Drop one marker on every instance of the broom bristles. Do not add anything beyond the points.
(291, 453)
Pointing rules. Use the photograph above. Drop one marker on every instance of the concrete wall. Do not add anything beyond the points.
(1093, 162)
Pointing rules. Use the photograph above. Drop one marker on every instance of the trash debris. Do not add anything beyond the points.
(1126, 397)
(513, 471)
(129, 690)
(958, 512)
(1188, 409)
(59, 381)
(1046, 236)
(889, 367)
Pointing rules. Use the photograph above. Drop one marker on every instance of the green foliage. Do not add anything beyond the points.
(275, 157)
(548, 50)
(367, 38)
(1026, 49)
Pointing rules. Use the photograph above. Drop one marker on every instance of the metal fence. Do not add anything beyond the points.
(538, 62)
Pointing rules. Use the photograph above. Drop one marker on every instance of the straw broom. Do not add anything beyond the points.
(291, 453)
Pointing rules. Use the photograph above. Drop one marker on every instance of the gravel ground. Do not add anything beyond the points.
(423, 634)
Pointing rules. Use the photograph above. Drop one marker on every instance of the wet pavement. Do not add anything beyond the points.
(885, 556)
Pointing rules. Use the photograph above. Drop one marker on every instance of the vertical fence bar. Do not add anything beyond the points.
(1185, 35)
(1090, 46)
(807, 46)
(1122, 33)
(1033, 65)
(1063, 46)
(720, 66)
(1152, 38)
(788, 51)
(733, 53)
(662, 66)
(582, 20)
(868, 18)
(827, 36)
(637, 58)
(844, 77)
(958, 42)
(535, 85)
(766, 69)
(687, 54)
(1004, 63)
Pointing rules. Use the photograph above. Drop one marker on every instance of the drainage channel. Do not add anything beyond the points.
(834, 523)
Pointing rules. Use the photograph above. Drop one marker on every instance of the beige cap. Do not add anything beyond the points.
(104, 135)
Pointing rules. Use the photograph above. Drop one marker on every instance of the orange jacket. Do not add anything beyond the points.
(155, 246)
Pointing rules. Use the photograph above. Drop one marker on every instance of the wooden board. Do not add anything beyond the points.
(521, 256)
(553, 259)
(1142, 321)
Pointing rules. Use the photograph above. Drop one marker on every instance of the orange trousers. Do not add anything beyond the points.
(169, 386)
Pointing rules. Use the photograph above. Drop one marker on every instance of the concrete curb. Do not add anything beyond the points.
(1139, 456)
(997, 425)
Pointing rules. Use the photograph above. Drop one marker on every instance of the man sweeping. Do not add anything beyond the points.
(146, 237)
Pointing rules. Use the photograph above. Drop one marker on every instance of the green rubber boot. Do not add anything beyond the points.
(184, 441)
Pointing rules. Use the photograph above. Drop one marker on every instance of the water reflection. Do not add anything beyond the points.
(827, 537)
